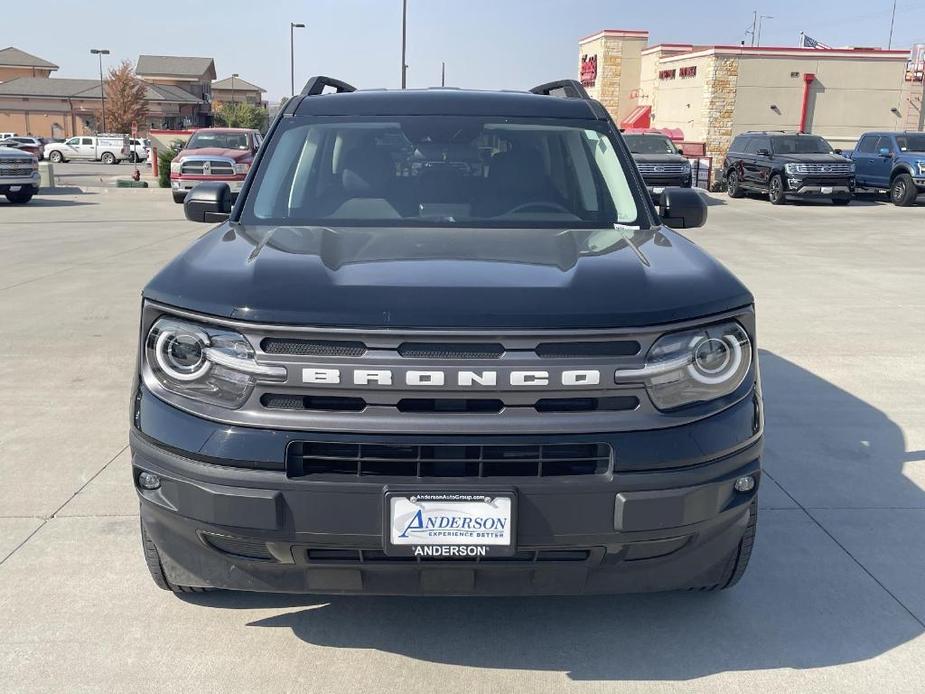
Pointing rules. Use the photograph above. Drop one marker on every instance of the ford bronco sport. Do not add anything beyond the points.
(444, 343)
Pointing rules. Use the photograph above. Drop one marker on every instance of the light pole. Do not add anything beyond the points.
(760, 20)
(404, 34)
(292, 27)
(101, 52)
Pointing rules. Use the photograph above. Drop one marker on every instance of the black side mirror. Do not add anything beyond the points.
(682, 208)
(680, 151)
(763, 152)
(837, 150)
(208, 202)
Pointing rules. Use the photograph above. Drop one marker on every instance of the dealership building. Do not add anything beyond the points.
(704, 95)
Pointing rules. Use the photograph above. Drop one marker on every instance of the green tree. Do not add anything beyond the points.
(241, 115)
(125, 99)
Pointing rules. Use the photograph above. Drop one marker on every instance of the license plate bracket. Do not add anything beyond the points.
(450, 524)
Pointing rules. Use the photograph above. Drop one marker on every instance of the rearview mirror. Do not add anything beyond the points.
(682, 208)
(208, 202)
(763, 152)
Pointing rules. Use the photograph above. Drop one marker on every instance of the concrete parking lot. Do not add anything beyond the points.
(97, 174)
(833, 600)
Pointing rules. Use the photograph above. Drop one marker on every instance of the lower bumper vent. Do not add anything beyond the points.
(309, 458)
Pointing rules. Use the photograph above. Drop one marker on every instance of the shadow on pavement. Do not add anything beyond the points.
(805, 602)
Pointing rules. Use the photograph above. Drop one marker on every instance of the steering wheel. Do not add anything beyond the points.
(556, 207)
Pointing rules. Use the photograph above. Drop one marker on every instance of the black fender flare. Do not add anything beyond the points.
(901, 168)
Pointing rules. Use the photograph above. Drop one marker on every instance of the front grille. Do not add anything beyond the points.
(313, 348)
(646, 168)
(834, 169)
(310, 458)
(15, 161)
(565, 350)
(363, 556)
(340, 403)
(213, 167)
(25, 170)
(430, 350)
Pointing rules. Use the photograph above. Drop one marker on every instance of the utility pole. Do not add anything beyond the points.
(404, 37)
(101, 52)
(443, 74)
(292, 27)
(760, 20)
(889, 44)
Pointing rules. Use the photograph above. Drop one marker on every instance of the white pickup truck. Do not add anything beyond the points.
(109, 149)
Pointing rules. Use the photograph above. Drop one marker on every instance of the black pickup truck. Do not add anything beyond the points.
(443, 342)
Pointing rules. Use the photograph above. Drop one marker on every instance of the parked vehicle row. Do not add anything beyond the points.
(788, 166)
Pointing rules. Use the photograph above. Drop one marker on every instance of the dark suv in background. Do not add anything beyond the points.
(660, 162)
(786, 166)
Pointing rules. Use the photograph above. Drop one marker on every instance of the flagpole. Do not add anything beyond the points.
(802, 40)
(889, 44)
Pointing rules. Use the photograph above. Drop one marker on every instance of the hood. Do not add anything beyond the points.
(447, 278)
(7, 151)
(235, 154)
(659, 158)
(813, 158)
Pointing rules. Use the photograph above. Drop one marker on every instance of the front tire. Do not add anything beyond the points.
(20, 197)
(903, 191)
(56, 157)
(156, 569)
(732, 185)
(108, 158)
(776, 190)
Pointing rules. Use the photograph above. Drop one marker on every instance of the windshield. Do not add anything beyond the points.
(649, 144)
(468, 171)
(800, 144)
(201, 140)
(911, 143)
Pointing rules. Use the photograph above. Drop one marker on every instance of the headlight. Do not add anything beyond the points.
(851, 166)
(242, 168)
(175, 166)
(795, 168)
(694, 365)
(686, 164)
(205, 363)
(921, 166)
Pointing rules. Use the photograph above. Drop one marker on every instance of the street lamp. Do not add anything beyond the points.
(404, 43)
(292, 27)
(101, 52)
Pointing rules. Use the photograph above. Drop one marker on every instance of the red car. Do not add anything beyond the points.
(214, 154)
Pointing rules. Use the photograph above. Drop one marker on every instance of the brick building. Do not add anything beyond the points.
(708, 94)
(237, 90)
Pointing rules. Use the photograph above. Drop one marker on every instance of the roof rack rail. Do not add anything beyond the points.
(316, 85)
(571, 89)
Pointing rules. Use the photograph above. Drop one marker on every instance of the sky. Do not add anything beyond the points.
(491, 44)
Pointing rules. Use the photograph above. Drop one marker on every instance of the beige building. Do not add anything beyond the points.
(237, 90)
(16, 63)
(708, 94)
(175, 73)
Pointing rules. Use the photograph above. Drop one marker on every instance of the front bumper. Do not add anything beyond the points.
(818, 187)
(666, 518)
(656, 186)
(11, 184)
(184, 185)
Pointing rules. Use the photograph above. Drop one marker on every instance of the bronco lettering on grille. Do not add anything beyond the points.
(451, 378)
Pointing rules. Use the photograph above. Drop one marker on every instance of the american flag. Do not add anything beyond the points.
(810, 42)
